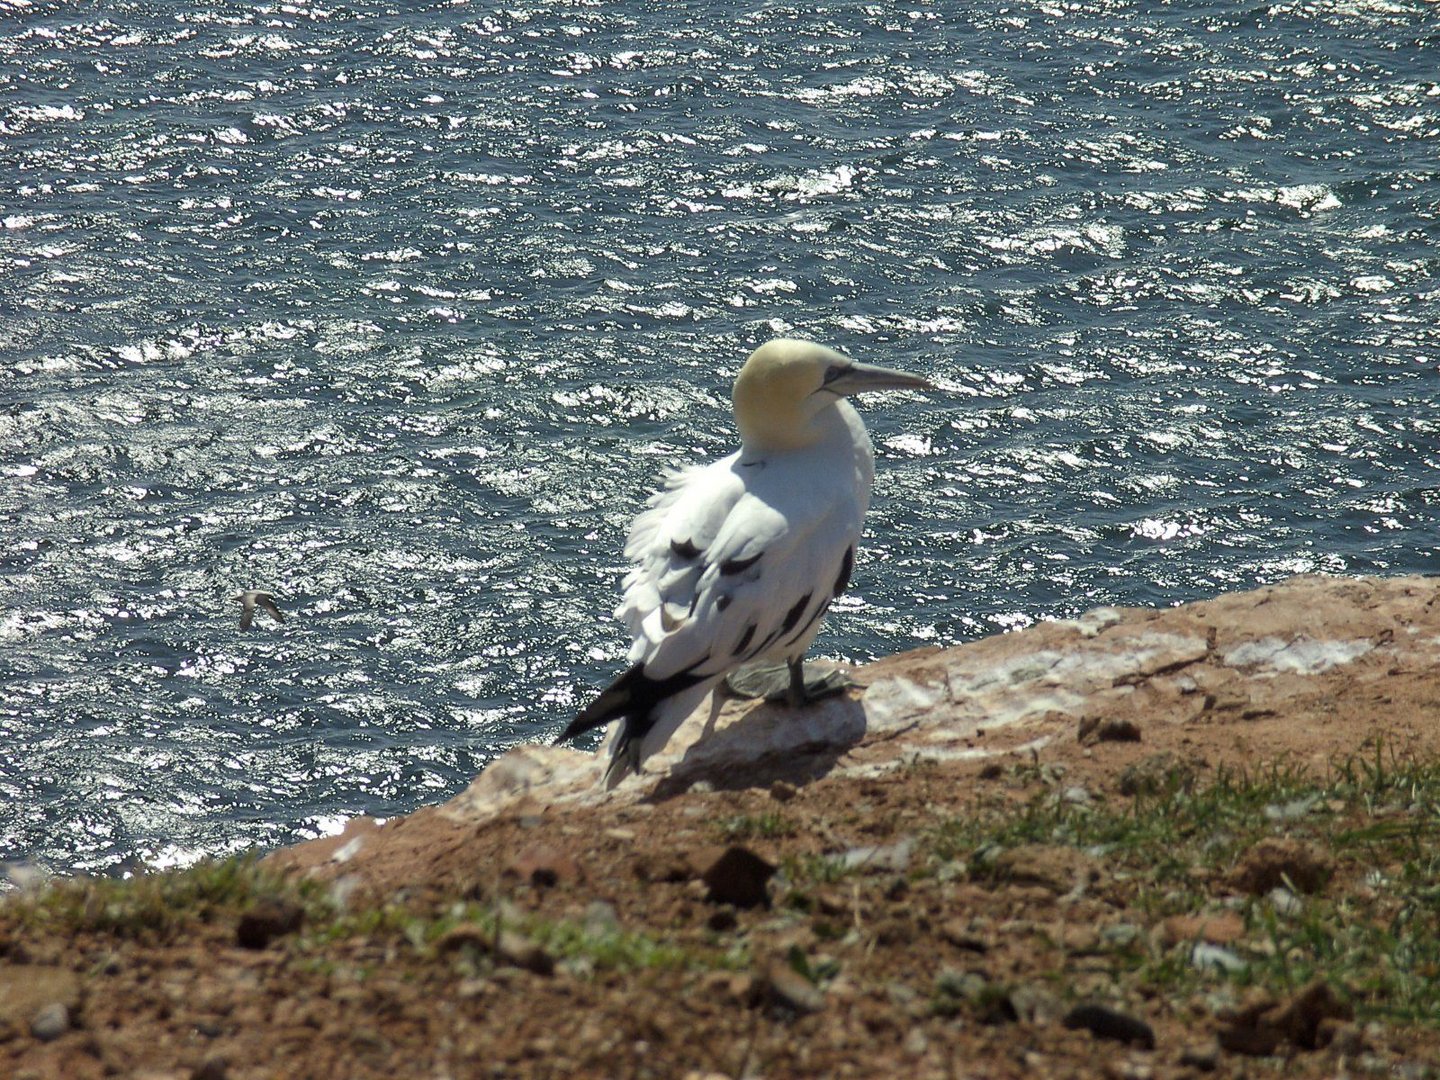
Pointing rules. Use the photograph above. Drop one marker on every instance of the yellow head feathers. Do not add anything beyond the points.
(787, 386)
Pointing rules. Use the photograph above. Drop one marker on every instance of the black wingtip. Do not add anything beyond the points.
(615, 701)
(632, 699)
(624, 758)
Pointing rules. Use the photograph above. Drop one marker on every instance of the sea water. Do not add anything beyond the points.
(399, 311)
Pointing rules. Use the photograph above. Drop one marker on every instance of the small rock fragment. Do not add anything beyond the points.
(1204, 1057)
(1117, 730)
(663, 868)
(1052, 866)
(466, 935)
(1035, 1004)
(1216, 957)
(988, 1002)
(735, 876)
(50, 1022)
(916, 1043)
(1128, 1069)
(1221, 928)
(894, 858)
(1277, 862)
(1093, 729)
(1103, 1022)
(722, 919)
(543, 867)
(521, 952)
(1158, 772)
(267, 920)
(26, 990)
(508, 947)
(960, 935)
(961, 985)
(1286, 904)
(1261, 1026)
(787, 990)
(783, 791)
(212, 1068)
(1120, 935)
(1302, 1016)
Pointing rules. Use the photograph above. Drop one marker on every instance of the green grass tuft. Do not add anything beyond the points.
(768, 826)
(155, 905)
(1172, 849)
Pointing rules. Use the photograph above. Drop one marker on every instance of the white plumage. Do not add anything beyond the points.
(737, 561)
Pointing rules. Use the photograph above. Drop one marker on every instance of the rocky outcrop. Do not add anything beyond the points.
(1240, 656)
(1321, 650)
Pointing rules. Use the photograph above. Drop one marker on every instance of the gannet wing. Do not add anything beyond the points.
(726, 572)
(723, 574)
(681, 521)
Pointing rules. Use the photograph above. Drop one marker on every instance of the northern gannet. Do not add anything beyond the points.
(735, 562)
(252, 598)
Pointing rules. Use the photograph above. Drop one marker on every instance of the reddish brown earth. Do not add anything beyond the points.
(1013, 949)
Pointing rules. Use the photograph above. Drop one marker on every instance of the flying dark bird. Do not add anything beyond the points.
(250, 600)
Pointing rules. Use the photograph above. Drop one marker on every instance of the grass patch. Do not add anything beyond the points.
(1179, 824)
(810, 870)
(1373, 931)
(612, 948)
(156, 906)
(767, 826)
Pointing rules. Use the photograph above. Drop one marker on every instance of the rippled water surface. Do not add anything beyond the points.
(399, 310)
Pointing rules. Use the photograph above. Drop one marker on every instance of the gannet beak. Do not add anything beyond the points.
(863, 378)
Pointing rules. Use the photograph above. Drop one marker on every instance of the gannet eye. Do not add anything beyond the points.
(833, 372)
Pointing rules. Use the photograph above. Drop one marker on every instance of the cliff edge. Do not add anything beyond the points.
(1179, 843)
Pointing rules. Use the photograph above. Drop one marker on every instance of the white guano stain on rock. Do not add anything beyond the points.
(1302, 656)
(980, 692)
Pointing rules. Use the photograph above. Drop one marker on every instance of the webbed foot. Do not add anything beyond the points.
(795, 685)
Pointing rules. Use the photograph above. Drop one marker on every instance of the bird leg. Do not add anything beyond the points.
(790, 684)
(795, 694)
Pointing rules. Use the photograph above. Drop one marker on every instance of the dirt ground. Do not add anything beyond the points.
(850, 926)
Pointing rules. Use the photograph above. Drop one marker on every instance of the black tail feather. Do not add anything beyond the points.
(632, 697)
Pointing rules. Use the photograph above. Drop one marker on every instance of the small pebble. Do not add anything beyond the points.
(1104, 1022)
(266, 920)
(735, 876)
(722, 919)
(1206, 1058)
(790, 991)
(601, 918)
(50, 1022)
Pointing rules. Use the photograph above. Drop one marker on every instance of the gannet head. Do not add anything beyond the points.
(787, 387)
